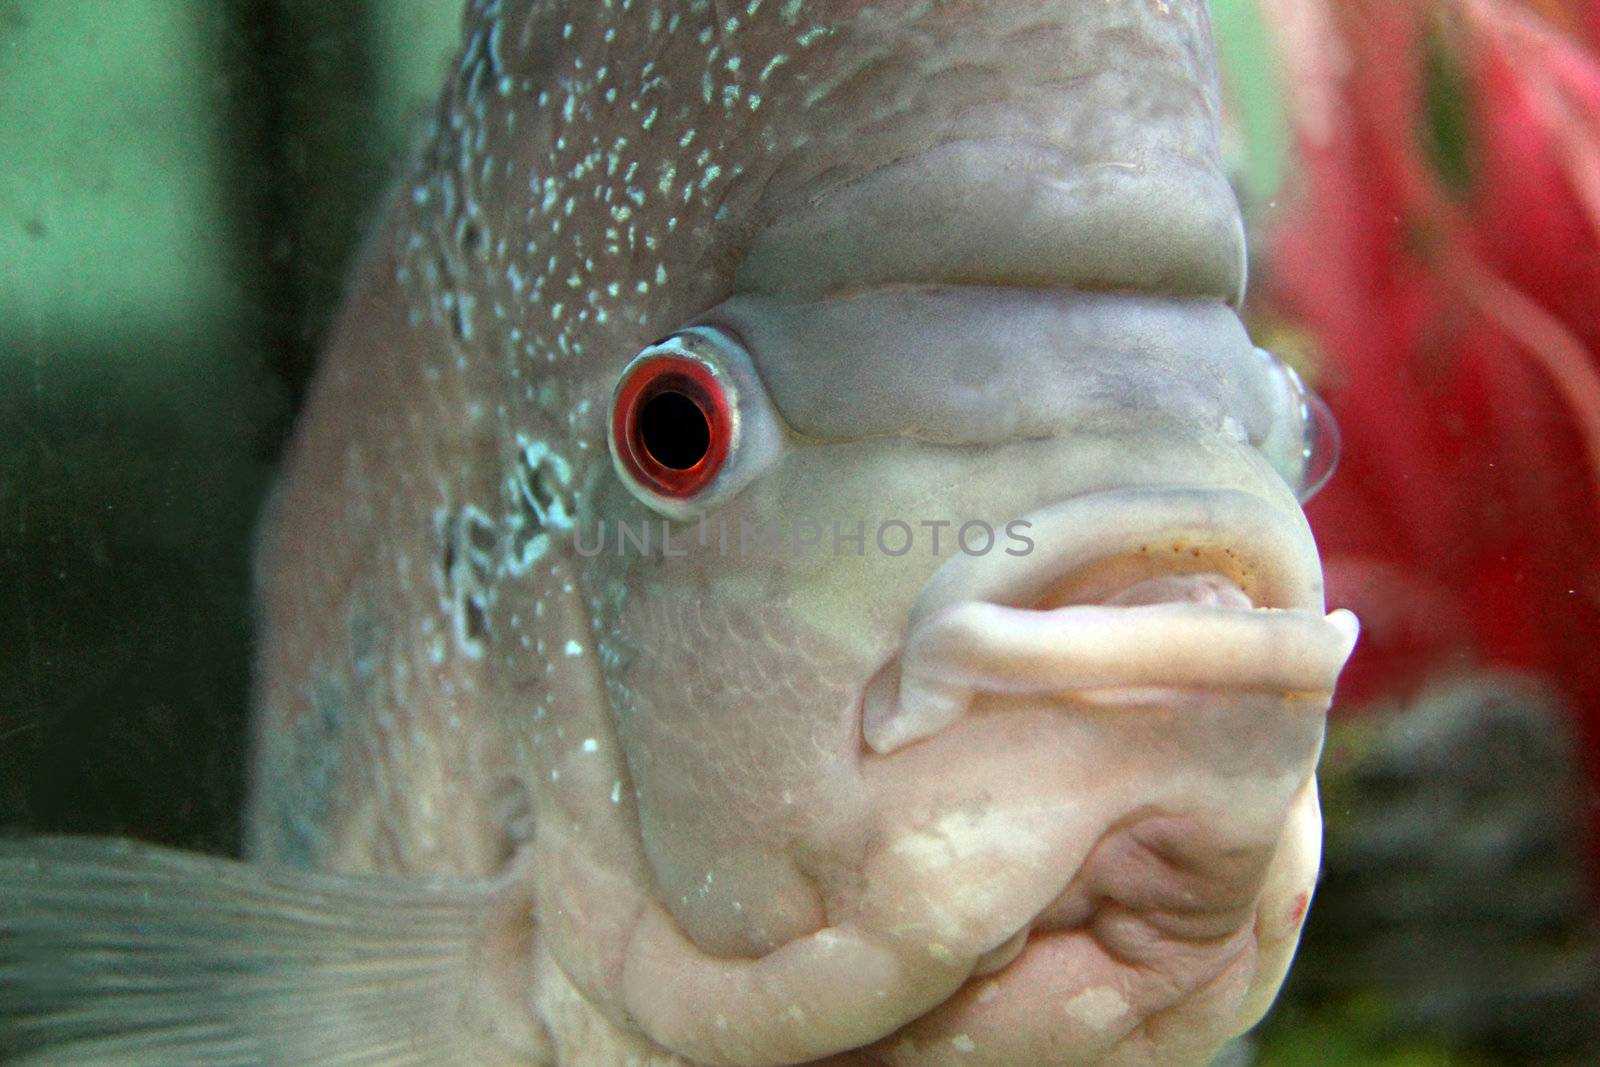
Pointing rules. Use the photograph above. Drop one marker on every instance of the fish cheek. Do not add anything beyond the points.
(740, 731)
(639, 762)
(734, 667)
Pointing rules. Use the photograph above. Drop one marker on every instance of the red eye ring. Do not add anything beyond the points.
(672, 425)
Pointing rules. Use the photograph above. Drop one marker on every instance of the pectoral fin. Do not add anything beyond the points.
(113, 952)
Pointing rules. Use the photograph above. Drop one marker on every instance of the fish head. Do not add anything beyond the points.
(914, 641)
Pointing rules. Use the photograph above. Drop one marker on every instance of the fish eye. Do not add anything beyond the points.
(1303, 444)
(676, 428)
(686, 416)
(671, 422)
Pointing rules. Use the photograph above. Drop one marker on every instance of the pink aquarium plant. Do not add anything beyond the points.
(1438, 254)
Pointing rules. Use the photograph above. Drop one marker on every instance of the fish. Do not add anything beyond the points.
(790, 556)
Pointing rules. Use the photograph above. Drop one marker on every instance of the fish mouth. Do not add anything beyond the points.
(1187, 603)
(1127, 597)
(1130, 599)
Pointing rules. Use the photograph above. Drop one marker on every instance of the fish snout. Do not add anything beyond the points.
(1128, 598)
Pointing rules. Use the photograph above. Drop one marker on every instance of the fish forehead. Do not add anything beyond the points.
(602, 168)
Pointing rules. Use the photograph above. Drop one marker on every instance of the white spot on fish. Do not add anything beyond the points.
(960, 836)
(1098, 1008)
(772, 64)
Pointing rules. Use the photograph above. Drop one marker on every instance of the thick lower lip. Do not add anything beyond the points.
(1247, 618)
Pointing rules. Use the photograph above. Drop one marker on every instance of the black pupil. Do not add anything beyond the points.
(674, 431)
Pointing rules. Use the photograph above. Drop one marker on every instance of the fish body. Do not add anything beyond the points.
(617, 700)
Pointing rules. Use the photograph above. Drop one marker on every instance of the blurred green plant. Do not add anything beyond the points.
(1357, 1032)
(182, 185)
(1447, 133)
(1260, 144)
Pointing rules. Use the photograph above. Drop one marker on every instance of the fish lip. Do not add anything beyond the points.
(977, 627)
(1268, 547)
